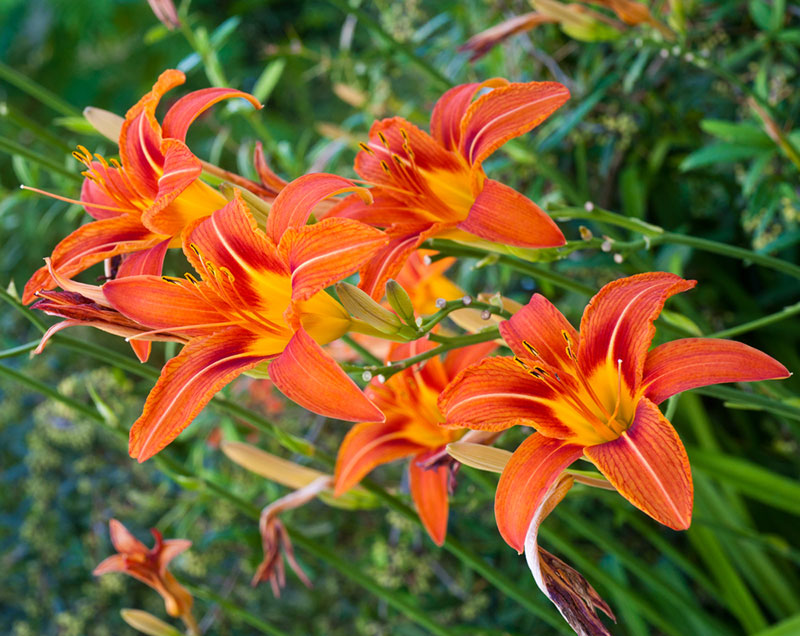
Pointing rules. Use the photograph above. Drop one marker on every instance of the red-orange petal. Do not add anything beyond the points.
(88, 245)
(389, 260)
(189, 107)
(367, 445)
(180, 170)
(545, 329)
(689, 363)
(297, 200)
(648, 465)
(459, 359)
(429, 490)
(158, 304)
(617, 323)
(497, 394)
(505, 113)
(481, 43)
(114, 563)
(503, 215)
(451, 107)
(268, 178)
(321, 254)
(307, 375)
(525, 482)
(122, 539)
(187, 383)
(147, 262)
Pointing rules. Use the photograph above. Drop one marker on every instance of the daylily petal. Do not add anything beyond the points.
(648, 465)
(451, 107)
(140, 139)
(189, 107)
(231, 242)
(105, 207)
(88, 245)
(307, 375)
(545, 329)
(296, 201)
(526, 482)
(114, 563)
(268, 178)
(429, 489)
(617, 324)
(459, 359)
(181, 169)
(158, 304)
(326, 252)
(497, 394)
(400, 135)
(169, 550)
(384, 210)
(686, 364)
(505, 113)
(187, 383)
(481, 43)
(389, 260)
(123, 540)
(366, 446)
(503, 215)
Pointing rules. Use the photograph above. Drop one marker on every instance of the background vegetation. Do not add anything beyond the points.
(665, 132)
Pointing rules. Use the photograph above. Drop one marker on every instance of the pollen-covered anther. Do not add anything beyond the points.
(385, 167)
(383, 139)
(366, 148)
(227, 273)
(530, 348)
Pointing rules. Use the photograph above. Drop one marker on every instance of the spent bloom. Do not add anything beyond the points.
(429, 185)
(148, 197)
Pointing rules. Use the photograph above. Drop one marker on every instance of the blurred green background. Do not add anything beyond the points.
(658, 131)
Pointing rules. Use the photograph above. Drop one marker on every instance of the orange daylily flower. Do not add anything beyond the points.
(595, 395)
(148, 198)
(149, 565)
(412, 429)
(433, 184)
(260, 298)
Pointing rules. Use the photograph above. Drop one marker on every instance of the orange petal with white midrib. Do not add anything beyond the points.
(429, 490)
(189, 107)
(503, 215)
(678, 366)
(187, 383)
(307, 375)
(498, 393)
(451, 107)
(326, 252)
(505, 113)
(295, 203)
(648, 465)
(617, 324)
(525, 482)
(366, 446)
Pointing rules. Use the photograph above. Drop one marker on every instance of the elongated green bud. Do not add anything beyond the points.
(400, 301)
(360, 305)
(257, 205)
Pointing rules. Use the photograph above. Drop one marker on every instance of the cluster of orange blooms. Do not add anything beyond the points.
(264, 253)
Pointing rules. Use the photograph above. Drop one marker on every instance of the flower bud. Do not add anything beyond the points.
(257, 205)
(360, 305)
(400, 301)
(105, 122)
(148, 624)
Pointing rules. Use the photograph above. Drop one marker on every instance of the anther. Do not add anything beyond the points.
(194, 248)
(530, 348)
(382, 137)
(366, 148)
(385, 167)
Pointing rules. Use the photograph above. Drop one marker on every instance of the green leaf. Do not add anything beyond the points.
(266, 82)
(788, 627)
(737, 133)
(750, 479)
(720, 153)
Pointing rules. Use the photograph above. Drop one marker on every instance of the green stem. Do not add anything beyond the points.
(26, 123)
(606, 216)
(362, 351)
(234, 610)
(15, 351)
(27, 85)
(13, 148)
(784, 313)
(403, 48)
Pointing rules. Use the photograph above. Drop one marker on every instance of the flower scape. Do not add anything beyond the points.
(376, 298)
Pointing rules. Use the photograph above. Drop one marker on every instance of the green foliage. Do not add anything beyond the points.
(692, 136)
